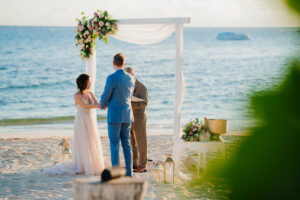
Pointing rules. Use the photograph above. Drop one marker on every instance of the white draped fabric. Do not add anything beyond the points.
(144, 34)
(179, 93)
(149, 31)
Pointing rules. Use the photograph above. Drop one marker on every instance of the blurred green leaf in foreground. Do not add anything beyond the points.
(294, 4)
(267, 164)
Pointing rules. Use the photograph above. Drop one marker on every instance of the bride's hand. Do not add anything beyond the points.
(97, 105)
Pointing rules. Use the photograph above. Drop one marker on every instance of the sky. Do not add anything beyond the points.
(203, 13)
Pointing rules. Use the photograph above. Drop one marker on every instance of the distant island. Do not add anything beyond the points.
(232, 36)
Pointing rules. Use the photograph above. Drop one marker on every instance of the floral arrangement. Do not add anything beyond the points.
(88, 30)
(193, 131)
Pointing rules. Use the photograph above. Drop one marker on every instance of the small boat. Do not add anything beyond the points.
(232, 36)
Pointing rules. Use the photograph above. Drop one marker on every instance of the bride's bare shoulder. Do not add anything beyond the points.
(92, 94)
(77, 94)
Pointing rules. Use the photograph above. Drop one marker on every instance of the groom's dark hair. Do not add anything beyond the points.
(119, 59)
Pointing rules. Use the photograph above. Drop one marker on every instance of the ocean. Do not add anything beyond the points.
(39, 66)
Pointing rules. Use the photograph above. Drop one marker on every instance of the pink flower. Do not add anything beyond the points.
(81, 28)
(91, 28)
(91, 50)
(95, 14)
(88, 40)
(115, 26)
(80, 41)
(101, 23)
(190, 133)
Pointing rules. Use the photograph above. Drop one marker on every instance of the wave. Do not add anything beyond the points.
(39, 85)
(32, 121)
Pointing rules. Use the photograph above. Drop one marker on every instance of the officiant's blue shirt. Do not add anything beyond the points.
(117, 94)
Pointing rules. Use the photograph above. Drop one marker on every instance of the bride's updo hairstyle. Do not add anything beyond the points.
(82, 82)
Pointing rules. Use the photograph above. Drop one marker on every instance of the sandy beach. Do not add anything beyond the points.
(22, 161)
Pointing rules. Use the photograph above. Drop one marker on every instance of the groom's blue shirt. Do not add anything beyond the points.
(117, 94)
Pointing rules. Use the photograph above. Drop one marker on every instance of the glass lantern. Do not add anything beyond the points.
(66, 152)
(156, 173)
(169, 170)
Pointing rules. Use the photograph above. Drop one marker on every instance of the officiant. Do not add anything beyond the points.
(138, 132)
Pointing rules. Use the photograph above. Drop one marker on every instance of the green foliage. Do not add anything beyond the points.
(294, 4)
(266, 166)
(266, 163)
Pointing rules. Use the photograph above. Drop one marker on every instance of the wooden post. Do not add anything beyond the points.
(117, 189)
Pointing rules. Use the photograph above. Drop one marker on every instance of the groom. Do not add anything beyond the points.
(117, 96)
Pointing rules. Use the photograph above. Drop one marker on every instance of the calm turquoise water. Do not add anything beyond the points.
(39, 65)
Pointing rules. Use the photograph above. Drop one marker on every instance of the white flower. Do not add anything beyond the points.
(107, 24)
(81, 28)
(101, 23)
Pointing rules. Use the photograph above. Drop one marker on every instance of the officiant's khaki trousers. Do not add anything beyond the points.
(138, 138)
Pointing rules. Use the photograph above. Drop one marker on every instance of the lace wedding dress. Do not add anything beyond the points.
(87, 157)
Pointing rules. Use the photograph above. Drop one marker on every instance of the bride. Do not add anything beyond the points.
(87, 155)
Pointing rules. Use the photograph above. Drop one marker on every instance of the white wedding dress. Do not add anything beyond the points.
(87, 157)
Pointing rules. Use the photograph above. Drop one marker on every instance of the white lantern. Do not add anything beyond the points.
(169, 170)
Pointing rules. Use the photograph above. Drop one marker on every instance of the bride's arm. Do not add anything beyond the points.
(94, 98)
(79, 101)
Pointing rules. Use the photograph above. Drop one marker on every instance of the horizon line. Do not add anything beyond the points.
(186, 26)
